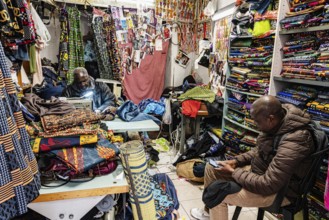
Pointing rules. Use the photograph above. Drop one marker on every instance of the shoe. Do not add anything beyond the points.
(199, 214)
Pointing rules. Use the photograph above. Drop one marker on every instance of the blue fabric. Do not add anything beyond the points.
(128, 111)
(150, 106)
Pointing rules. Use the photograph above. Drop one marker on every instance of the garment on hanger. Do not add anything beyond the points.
(101, 49)
(20, 181)
(63, 59)
(75, 42)
(112, 45)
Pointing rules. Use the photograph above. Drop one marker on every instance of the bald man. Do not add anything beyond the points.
(263, 171)
(83, 85)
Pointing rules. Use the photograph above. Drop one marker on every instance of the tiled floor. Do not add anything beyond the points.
(190, 194)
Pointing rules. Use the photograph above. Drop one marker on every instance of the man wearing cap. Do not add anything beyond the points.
(84, 86)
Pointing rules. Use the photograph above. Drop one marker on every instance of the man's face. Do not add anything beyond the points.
(264, 123)
(82, 81)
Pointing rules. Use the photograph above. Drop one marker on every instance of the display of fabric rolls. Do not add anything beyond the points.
(140, 179)
(306, 56)
(304, 13)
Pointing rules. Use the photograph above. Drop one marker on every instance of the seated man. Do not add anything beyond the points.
(269, 171)
(84, 85)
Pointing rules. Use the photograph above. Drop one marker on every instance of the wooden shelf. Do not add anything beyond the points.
(241, 125)
(246, 93)
(308, 29)
(302, 81)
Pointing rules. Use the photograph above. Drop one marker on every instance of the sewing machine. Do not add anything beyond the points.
(81, 103)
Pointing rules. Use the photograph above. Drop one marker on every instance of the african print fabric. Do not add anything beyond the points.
(112, 46)
(76, 51)
(63, 62)
(101, 49)
(20, 181)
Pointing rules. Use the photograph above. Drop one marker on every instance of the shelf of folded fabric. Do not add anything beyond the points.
(235, 110)
(241, 125)
(303, 30)
(246, 93)
(303, 81)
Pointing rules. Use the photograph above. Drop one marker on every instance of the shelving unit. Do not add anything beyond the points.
(278, 83)
(241, 125)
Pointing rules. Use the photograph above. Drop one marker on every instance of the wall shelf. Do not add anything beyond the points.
(246, 93)
(302, 81)
(308, 29)
(237, 111)
(241, 125)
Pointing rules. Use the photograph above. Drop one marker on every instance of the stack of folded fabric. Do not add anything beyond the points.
(306, 56)
(319, 110)
(76, 142)
(297, 95)
(305, 13)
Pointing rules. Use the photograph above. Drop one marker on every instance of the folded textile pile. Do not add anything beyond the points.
(306, 56)
(319, 110)
(304, 13)
(297, 95)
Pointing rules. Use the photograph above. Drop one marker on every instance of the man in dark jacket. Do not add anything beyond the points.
(261, 172)
(85, 86)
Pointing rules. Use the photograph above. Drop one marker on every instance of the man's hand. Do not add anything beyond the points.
(227, 166)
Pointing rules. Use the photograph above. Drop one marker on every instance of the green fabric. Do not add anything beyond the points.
(75, 42)
(162, 145)
(198, 93)
(33, 59)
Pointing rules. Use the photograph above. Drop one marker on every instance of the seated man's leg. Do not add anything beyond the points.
(211, 175)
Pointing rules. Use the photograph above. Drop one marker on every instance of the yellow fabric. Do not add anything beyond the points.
(36, 144)
(261, 27)
(217, 132)
(88, 139)
(117, 139)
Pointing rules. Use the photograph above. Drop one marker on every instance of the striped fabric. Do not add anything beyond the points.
(19, 182)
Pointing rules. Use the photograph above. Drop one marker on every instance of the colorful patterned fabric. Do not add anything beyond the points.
(19, 182)
(75, 42)
(63, 60)
(54, 143)
(81, 159)
(112, 46)
(52, 123)
(36, 130)
(101, 49)
(16, 21)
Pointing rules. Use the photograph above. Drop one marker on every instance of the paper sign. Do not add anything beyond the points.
(158, 44)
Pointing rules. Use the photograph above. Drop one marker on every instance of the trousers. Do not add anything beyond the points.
(244, 198)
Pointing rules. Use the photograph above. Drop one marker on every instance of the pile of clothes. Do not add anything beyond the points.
(304, 13)
(69, 142)
(306, 56)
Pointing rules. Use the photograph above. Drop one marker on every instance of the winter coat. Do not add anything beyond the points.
(269, 171)
(102, 97)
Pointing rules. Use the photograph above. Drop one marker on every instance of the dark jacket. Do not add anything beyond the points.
(102, 98)
(269, 171)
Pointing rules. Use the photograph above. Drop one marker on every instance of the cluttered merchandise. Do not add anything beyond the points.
(164, 109)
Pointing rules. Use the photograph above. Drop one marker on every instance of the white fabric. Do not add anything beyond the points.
(40, 27)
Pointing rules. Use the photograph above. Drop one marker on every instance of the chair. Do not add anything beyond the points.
(114, 85)
(301, 202)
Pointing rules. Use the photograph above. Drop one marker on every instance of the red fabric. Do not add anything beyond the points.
(147, 81)
(191, 107)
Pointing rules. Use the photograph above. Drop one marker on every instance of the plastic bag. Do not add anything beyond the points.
(209, 9)
(167, 119)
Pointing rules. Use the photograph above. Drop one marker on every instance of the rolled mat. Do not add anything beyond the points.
(140, 178)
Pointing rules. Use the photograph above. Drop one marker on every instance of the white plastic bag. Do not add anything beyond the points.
(167, 118)
(209, 9)
(40, 27)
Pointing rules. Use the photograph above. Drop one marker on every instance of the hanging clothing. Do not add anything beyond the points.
(63, 59)
(147, 81)
(112, 45)
(20, 181)
(101, 49)
(16, 21)
(75, 42)
(38, 75)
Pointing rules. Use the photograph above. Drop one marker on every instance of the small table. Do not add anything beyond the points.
(73, 200)
(203, 112)
(120, 126)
